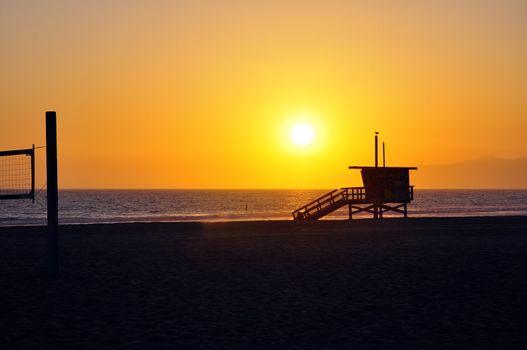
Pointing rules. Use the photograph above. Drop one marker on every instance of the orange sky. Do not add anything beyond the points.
(202, 94)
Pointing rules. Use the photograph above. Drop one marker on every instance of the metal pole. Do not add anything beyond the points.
(375, 204)
(383, 177)
(376, 150)
(33, 174)
(52, 191)
(383, 156)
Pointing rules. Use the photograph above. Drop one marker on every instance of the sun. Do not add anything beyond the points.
(302, 134)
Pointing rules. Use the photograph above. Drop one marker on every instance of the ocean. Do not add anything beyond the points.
(112, 206)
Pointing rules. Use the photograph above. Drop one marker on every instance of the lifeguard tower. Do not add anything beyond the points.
(385, 189)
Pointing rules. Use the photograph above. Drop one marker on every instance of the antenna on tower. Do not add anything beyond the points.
(383, 156)
(376, 149)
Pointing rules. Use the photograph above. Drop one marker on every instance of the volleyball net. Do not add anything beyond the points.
(17, 174)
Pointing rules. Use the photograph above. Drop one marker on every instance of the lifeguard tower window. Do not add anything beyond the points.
(386, 184)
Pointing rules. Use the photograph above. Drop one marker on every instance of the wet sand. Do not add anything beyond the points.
(415, 283)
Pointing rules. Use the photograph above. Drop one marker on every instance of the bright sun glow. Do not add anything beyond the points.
(302, 134)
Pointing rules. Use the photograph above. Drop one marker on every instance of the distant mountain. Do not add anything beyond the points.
(485, 172)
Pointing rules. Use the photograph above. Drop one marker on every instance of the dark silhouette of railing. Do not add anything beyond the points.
(335, 200)
(329, 202)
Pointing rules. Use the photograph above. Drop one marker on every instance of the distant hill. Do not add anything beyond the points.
(479, 173)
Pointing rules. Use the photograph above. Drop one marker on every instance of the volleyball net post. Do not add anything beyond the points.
(52, 190)
(17, 181)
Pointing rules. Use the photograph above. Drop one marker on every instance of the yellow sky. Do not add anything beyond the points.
(202, 94)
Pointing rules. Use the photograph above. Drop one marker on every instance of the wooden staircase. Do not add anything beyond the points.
(330, 202)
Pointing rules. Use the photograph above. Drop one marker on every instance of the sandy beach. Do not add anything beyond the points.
(413, 284)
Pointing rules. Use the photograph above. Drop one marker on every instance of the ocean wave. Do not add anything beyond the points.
(82, 207)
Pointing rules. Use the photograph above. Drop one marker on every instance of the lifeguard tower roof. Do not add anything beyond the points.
(385, 167)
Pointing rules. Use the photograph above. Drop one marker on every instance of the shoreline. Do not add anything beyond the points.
(356, 221)
(263, 220)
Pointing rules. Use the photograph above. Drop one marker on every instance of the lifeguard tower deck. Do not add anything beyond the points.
(385, 189)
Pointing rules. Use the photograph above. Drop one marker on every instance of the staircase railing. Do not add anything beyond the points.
(318, 204)
(355, 193)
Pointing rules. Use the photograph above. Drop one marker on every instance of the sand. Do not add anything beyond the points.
(415, 283)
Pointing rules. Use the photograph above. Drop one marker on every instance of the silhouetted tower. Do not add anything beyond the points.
(385, 189)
